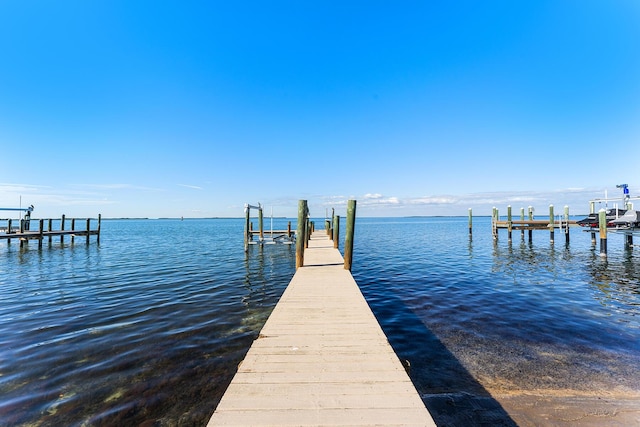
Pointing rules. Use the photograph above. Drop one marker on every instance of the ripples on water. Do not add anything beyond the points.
(499, 316)
(148, 325)
(151, 324)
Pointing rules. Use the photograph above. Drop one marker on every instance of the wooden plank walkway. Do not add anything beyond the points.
(321, 358)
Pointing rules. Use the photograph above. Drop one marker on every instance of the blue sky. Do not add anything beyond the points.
(193, 108)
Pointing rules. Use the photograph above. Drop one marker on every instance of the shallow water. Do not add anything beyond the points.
(149, 325)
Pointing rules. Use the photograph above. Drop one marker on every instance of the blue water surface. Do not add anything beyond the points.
(148, 326)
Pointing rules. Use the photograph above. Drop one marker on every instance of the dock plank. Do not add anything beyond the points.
(321, 358)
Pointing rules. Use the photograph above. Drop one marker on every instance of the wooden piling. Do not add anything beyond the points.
(99, 225)
(73, 228)
(566, 224)
(551, 224)
(247, 228)
(289, 229)
(602, 225)
(592, 209)
(470, 222)
(300, 235)
(42, 230)
(509, 223)
(348, 242)
(530, 219)
(260, 223)
(336, 232)
(494, 223)
(62, 229)
(522, 219)
(51, 228)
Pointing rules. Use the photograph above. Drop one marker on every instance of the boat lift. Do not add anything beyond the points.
(274, 236)
(627, 205)
(25, 220)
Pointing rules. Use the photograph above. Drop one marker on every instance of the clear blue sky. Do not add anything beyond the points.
(193, 108)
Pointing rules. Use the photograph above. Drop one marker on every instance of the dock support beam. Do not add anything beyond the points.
(530, 219)
(336, 232)
(522, 219)
(260, 223)
(566, 224)
(551, 225)
(348, 241)
(509, 223)
(247, 228)
(592, 209)
(602, 223)
(301, 235)
(470, 223)
(62, 229)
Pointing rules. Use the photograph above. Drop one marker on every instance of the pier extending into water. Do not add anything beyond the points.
(562, 223)
(321, 358)
(41, 229)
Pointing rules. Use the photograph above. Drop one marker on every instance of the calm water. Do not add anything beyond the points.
(148, 326)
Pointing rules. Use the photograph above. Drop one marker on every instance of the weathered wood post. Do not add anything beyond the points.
(348, 241)
(336, 232)
(333, 218)
(470, 223)
(260, 223)
(9, 230)
(247, 229)
(522, 219)
(530, 219)
(566, 224)
(41, 234)
(289, 229)
(552, 224)
(602, 225)
(300, 234)
(62, 229)
(494, 223)
(88, 229)
(50, 229)
(307, 230)
(509, 223)
(73, 228)
(592, 209)
(327, 226)
(22, 231)
(99, 225)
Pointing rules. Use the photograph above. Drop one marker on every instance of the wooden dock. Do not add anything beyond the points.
(39, 229)
(321, 358)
